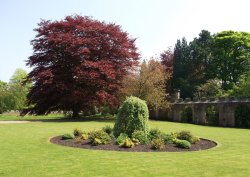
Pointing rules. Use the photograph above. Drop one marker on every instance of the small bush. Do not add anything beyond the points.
(121, 138)
(186, 135)
(157, 143)
(96, 142)
(78, 139)
(84, 136)
(169, 138)
(77, 132)
(155, 133)
(183, 144)
(108, 129)
(112, 136)
(128, 143)
(132, 115)
(140, 135)
(67, 136)
(99, 135)
(135, 141)
(195, 139)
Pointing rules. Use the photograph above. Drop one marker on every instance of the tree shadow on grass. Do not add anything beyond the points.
(82, 119)
(63, 119)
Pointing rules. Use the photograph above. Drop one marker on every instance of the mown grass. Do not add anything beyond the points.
(25, 151)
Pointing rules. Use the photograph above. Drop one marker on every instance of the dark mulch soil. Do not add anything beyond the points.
(201, 145)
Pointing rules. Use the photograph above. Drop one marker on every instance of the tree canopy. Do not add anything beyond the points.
(224, 56)
(149, 84)
(231, 51)
(13, 94)
(78, 62)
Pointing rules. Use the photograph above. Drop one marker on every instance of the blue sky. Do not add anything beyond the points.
(156, 24)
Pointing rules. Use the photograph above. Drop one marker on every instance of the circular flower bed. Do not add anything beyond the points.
(155, 141)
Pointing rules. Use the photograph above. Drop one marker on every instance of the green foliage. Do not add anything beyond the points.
(128, 143)
(96, 142)
(140, 135)
(195, 139)
(77, 132)
(180, 72)
(169, 138)
(135, 141)
(132, 115)
(108, 129)
(155, 133)
(85, 136)
(13, 95)
(99, 137)
(192, 63)
(3, 97)
(210, 64)
(121, 138)
(231, 56)
(183, 144)
(242, 88)
(18, 89)
(67, 136)
(78, 139)
(186, 135)
(157, 143)
(212, 88)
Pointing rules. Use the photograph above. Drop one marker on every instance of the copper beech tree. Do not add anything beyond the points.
(78, 63)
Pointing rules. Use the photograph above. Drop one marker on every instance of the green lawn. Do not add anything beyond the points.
(25, 151)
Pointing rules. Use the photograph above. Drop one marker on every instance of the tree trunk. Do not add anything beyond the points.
(76, 112)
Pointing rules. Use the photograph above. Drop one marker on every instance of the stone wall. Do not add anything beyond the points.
(225, 106)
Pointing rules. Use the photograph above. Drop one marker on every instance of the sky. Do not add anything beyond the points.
(156, 24)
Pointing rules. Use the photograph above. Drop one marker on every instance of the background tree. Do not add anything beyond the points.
(13, 94)
(18, 90)
(225, 56)
(78, 63)
(3, 97)
(148, 84)
(192, 63)
(212, 88)
(181, 68)
(242, 89)
(201, 59)
(167, 60)
(231, 52)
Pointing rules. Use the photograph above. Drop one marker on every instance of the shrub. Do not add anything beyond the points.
(183, 144)
(121, 138)
(140, 136)
(135, 141)
(186, 135)
(195, 139)
(108, 129)
(78, 139)
(169, 138)
(77, 132)
(67, 136)
(157, 143)
(100, 136)
(84, 136)
(96, 142)
(132, 115)
(155, 133)
(128, 143)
